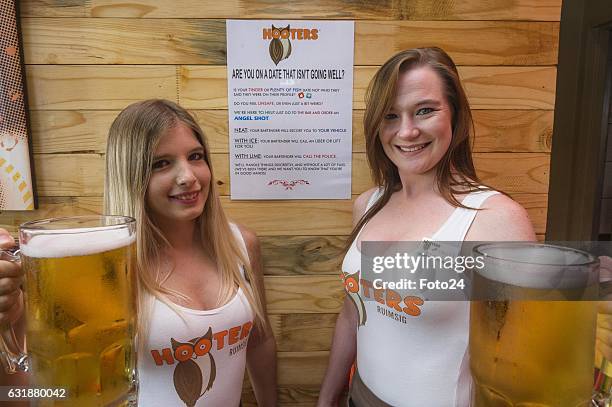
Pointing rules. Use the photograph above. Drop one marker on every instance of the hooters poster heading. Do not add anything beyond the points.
(290, 97)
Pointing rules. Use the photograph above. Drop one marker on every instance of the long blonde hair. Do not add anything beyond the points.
(132, 140)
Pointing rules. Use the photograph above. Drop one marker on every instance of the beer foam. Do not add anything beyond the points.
(76, 242)
(547, 267)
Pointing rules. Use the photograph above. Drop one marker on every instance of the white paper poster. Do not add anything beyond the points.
(290, 96)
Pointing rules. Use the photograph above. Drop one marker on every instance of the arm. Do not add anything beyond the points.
(342, 356)
(344, 343)
(261, 350)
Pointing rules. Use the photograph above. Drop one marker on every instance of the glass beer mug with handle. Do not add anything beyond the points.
(532, 326)
(80, 308)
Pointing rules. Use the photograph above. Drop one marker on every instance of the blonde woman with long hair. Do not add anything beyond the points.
(201, 304)
(200, 276)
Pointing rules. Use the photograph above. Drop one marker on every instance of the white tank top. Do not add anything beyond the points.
(418, 356)
(199, 359)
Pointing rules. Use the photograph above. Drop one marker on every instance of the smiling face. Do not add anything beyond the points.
(180, 178)
(417, 131)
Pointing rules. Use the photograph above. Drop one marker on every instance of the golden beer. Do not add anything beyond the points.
(536, 347)
(80, 307)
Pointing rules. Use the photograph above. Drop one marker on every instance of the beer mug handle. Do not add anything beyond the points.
(13, 358)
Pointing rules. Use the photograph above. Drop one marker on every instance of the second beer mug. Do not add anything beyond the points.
(80, 307)
(532, 340)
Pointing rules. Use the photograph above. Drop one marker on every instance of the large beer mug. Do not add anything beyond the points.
(80, 308)
(532, 341)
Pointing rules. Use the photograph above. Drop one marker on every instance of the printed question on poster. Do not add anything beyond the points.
(290, 97)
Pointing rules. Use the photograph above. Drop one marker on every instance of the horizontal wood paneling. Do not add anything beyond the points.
(83, 174)
(51, 207)
(302, 254)
(490, 43)
(499, 131)
(94, 87)
(509, 172)
(514, 88)
(292, 255)
(514, 172)
(306, 217)
(124, 41)
(69, 174)
(303, 332)
(205, 87)
(291, 388)
(304, 294)
(301, 368)
(54, 8)
(513, 130)
(63, 131)
(267, 218)
(68, 131)
(322, 218)
(199, 41)
(541, 10)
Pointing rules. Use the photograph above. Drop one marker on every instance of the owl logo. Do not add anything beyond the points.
(351, 285)
(188, 376)
(280, 46)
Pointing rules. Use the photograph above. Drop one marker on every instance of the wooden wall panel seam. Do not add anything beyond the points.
(203, 42)
(69, 131)
(205, 87)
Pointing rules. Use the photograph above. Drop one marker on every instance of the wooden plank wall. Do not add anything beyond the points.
(87, 59)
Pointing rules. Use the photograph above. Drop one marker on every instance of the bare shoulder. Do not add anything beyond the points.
(251, 241)
(360, 204)
(501, 218)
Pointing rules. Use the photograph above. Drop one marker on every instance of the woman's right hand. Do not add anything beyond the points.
(11, 278)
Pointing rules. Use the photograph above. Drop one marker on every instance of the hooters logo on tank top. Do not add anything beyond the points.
(393, 304)
(195, 371)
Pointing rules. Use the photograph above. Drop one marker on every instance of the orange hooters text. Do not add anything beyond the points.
(410, 305)
(203, 345)
(292, 33)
